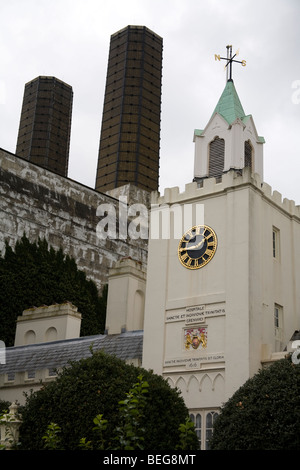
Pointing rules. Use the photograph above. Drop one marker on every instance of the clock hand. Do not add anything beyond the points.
(193, 247)
(200, 244)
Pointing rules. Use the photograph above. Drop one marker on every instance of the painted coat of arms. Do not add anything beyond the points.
(195, 337)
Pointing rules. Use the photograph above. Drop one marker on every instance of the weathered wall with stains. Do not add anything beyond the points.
(43, 204)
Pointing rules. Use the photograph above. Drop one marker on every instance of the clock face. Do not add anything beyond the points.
(197, 247)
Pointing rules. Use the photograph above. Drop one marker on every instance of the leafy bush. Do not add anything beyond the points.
(264, 414)
(129, 435)
(4, 406)
(95, 386)
(33, 275)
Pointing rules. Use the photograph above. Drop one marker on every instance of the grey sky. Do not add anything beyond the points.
(70, 39)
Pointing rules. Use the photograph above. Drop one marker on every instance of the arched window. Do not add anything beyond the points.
(196, 419)
(210, 419)
(204, 421)
(51, 334)
(248, 154)
(216, 157)
(29, 337)
(138, 309)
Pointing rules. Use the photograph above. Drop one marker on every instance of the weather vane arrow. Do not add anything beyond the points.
(230, 59)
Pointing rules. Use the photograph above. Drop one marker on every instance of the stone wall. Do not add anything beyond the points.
(43, 204)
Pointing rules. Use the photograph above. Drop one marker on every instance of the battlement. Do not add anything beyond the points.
(231, 180)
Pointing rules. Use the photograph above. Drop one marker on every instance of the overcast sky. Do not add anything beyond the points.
(69, 39)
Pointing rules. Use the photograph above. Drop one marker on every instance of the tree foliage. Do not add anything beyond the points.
(129, 434)
(95, 387)
(4, 406)
(264, 414)
(34, 274)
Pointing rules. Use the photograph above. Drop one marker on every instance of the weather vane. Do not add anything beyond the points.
(230, 59)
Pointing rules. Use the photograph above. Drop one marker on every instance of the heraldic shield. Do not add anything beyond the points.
(195, 337)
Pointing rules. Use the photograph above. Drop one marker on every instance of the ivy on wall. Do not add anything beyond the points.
(35, 274)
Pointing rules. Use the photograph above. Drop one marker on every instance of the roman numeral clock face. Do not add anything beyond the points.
(197, 247)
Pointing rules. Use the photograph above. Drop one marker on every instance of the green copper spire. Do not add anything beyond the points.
(229, 105)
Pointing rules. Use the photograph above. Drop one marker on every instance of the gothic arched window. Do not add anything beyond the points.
(210, 420)
(216, 157)
(203, 422)
(248, 153)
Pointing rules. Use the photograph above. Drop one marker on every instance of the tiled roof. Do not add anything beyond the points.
(56, 354)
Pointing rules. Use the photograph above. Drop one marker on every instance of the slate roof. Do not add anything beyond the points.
(56, 354)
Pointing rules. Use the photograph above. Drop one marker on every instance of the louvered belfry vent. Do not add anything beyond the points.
(248, 154)
(216, 157)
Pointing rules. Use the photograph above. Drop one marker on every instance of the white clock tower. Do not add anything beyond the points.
(223, 297)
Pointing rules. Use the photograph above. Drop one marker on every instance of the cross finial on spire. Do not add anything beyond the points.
(230, 59)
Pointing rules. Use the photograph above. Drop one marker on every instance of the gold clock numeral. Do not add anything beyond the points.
(191, 233)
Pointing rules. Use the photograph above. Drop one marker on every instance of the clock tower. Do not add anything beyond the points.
(223, 297)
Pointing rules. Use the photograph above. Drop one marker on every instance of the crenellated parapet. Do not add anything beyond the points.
(231, 180)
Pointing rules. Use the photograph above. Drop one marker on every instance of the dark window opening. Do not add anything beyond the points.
(216, 157)
(248, 155)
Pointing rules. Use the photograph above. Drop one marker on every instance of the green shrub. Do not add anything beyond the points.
(264, 414)
(4, 406)
(95, 386)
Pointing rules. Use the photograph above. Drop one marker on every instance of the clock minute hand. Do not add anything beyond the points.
(200, 244)
(194, 247)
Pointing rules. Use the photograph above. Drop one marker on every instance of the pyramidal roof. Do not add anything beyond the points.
(229, 105)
